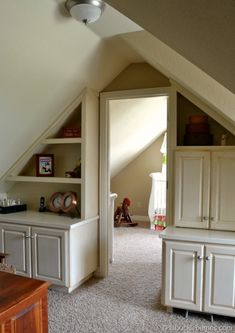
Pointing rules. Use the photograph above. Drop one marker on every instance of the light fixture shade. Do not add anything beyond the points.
(86, 11)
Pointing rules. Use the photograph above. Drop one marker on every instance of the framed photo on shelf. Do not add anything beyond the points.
(44, 165)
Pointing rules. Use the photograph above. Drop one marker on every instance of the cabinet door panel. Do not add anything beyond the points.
(220, 280)
(183, 275)
(49, 248)
(192, 182)
(15, 241)
(223, 193)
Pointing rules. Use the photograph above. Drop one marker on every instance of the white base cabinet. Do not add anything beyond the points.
(183, 275)
(65, 253)
(199, 270)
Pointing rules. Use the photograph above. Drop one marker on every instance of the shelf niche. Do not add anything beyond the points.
(185, 109)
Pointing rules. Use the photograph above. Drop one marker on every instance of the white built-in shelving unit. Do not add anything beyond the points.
(63, 251)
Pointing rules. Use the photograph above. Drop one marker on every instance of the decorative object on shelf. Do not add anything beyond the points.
(223, 140)
(86, 11)
(69, 202)
(71, 132)
(197, 132)
(11, 206)
(55, 202)
(64, 203)
(42, 207)
(45, 165)
(76, 173)
(122, 213)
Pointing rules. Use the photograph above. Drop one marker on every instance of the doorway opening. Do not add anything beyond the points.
(132, 126)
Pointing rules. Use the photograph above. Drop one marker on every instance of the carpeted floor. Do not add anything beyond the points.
(128, 301)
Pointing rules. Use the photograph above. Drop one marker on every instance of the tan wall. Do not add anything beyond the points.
(134, 181)
(138, 76)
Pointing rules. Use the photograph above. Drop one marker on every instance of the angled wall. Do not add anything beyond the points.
(46, 60)
(134, 181)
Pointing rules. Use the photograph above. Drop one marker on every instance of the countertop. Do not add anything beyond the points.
(198, 235)
(47, 219)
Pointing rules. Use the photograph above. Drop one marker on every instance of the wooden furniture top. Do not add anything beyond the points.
(15, 289)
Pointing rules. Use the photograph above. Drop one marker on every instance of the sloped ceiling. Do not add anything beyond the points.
(176, 67)
(202, 31)
(47, 58)
(134, 125)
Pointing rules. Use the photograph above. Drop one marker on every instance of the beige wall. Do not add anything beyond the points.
(137, 76)
(46, 60)
(135, 124)
(134, 181)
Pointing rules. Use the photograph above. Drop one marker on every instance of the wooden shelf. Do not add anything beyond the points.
(55, 141)
(61, 180)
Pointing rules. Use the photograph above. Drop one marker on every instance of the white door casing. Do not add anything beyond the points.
(104, 178)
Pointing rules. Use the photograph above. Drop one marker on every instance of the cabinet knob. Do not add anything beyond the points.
(199, 257)
(208, 257)
(212, 218)
(32, 237)
(205, 218)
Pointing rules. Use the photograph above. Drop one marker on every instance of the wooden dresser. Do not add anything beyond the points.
(23, 304)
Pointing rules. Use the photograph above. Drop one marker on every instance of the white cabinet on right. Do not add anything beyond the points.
(188, 288)
(220, 280)
(205, 189)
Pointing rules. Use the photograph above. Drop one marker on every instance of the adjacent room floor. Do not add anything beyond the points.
(129, 299)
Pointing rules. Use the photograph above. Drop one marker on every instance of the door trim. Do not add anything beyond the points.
(104, 174)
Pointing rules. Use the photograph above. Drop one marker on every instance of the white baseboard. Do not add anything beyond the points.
(140, 218)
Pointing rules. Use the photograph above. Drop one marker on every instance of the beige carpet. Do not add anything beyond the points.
(128, 301)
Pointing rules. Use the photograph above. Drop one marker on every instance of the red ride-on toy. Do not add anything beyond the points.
(122, 215)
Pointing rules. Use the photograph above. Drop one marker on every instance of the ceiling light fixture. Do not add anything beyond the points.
(86, 11)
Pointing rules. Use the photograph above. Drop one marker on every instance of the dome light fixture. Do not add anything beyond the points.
(86, 11)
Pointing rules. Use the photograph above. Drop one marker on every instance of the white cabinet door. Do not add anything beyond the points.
(15, 240)
(223, 191)
(220, 280)
(183, 275)
(49, 250)
(192, 189)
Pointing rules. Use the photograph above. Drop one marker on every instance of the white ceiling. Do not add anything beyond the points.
(134, 125)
